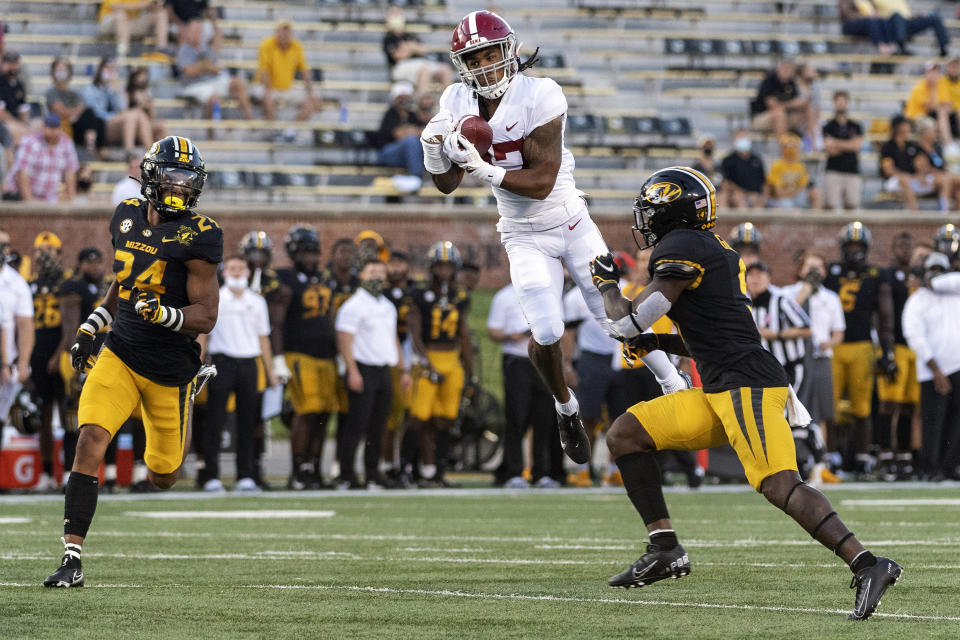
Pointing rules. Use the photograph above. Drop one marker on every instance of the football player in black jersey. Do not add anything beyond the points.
(698, 282)
(947, 242)
(164, 294)
(437, 322)
(746, 240)
(302, 331)
(45, 357)
(865, 294)
(342, 281)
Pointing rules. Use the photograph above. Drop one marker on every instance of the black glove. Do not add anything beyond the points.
(82, 350)
(605, 272)
(813, 278)
(887, 366)
(639, 346)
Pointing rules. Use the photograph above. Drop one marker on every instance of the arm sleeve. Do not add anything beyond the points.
(914, 331)
(497, 319)
(348, 318)
(550, 104)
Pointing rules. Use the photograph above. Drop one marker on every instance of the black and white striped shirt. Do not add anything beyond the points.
(777, 312)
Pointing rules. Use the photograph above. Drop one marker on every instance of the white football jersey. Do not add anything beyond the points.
(527, 104)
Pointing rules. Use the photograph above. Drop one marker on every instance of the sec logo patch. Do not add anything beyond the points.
(126, 225)
(147, 233)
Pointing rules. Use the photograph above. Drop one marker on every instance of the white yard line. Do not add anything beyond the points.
(88, 586)
(14, 520)
(250, 514)
(443, 593)
(903, 502)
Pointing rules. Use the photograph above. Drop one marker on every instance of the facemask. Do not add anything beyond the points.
(235, 283)
(61, 75)
(374, 287)
(790, 154)
(743, 145)
(842, 112)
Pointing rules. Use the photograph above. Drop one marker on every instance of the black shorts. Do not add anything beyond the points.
(46, 386)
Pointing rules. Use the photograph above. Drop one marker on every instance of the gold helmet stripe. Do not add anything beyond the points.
(183, 149)
(708, 187)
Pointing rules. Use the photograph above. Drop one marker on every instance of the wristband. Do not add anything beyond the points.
(97, 320)
(171, 318)
(434, 159)
(490, 174)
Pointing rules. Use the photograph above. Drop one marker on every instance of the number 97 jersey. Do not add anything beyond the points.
(155, 259)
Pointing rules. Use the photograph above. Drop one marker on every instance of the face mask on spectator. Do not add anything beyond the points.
(743, 145)
(235, 283)
(61, 75)
(708, 151)
(84, 184)
(374, 287)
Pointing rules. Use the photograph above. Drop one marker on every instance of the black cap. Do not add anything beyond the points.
(89, 253)
(11, 56)
(758, 265)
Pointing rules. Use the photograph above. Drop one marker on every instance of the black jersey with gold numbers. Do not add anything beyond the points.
(307, 328)
(341, 293)
(264, 281)
(155, 259)
(90, 294)
(400, 297)
(713, 313)
(897, 277)
(46, 313)
(440, 315)
(859, 292)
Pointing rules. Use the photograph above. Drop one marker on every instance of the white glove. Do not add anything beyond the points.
(462, 152)
(280, 369)
(433, 159)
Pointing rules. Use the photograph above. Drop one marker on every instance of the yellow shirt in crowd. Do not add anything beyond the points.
(920, 95)
(887, 8)
(281, 64)
(786, 175)
(106, 8)
(950, 90)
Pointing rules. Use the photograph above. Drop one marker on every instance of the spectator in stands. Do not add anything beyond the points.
(406, 56)
(904, 24)
(860, 18)
(707, 162)
(906, 168)
(930, 98)
(949, 88)
(182, 12)
(279, 59)
(842, 139)
(43, 163)
(13, 94)
(808, 81)
(133, 18)
(128, 187)
(202, 78)
(88, 129)
(399, 138)
(140, 97)
(788, 181)
(744, 178)
(779, 106)
(930, 146)
(84, 184)
(121, 123)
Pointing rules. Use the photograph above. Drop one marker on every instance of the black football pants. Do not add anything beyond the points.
(239, 376)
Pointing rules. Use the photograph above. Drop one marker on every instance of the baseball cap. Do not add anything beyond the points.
(929, 65)
(937, 260)
(402, 88)
(52, 120)
(89, 253)
(47, 238)
(760, 266)
(11, 56)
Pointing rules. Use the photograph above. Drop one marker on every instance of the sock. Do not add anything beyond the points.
(139, 472)
(71, 549)
(299, 465)
(48, 467)
(442, 451)
(569, 407)
(659, 364)
(666, 539)
(110, 472)
(316, 466)
(882, 423)
(641, 479)
(79, 504)
(904, 430)
(863, 560)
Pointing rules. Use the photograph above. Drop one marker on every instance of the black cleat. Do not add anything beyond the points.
(573, 438)
(69, 574)
(871, 583)
(656, 564)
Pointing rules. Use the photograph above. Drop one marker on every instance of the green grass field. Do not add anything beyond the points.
(469, 565)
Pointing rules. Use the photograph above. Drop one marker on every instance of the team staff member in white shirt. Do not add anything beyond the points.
(367, 339)
(527, 402)
(241, 335)
(930, 327)
(16, 301)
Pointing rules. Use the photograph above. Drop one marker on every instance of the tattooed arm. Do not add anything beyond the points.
(542, 152)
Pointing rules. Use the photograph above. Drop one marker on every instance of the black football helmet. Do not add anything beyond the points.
(256, 241)
(746, 236)
(673, 198)
(855, 243)
(444, 251)
(301, 237)
(947, 240)
(172, 174)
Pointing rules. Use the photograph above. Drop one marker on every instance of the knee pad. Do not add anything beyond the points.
(546, 330)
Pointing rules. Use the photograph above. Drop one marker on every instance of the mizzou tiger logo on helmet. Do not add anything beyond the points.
(662, 193)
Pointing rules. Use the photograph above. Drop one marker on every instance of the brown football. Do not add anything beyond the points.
(478, 132)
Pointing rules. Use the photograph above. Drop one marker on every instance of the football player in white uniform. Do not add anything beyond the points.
(543, 216)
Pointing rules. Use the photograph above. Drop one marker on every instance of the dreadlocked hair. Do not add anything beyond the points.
(529, 62)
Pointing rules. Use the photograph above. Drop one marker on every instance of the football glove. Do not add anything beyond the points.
(434, 159)
(887, 366)
(82, 349)
(280, 369)
(639, 346)
(605, 272)
(462, 152)
(148, 307)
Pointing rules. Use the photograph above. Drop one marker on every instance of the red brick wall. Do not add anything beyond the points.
(414, 229)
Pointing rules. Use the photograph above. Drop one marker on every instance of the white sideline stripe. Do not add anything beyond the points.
(260, 555)
(445, 550)
(88, 586)
(14, 520)
(264, 514)
(903, 502)
(548, 598)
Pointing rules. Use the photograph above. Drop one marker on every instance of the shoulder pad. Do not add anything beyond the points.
(677, 269)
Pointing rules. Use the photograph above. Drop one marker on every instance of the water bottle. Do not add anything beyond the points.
(216, 111)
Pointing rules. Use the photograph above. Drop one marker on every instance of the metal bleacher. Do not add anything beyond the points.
(643, 78)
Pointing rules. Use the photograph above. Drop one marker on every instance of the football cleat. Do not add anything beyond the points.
(656, 564)
(871, 583)
(573, 438)
(69, 574)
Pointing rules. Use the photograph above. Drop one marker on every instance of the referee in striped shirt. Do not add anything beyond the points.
(784, 327)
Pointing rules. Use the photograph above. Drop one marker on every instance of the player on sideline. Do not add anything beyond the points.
(165, 293)
(543, 216)
(698, 281)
